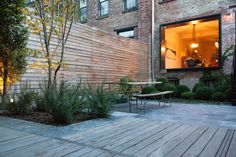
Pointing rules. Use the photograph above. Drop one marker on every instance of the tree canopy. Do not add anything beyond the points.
(13, 41)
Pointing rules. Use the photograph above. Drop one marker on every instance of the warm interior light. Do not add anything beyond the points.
(163, 49)
(194, 45)
(11, 100)
(228, 15)
(217, 44)
(194, 22)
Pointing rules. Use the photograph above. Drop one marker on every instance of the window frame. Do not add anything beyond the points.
(124, 30)
(125, 9)
(85, 7)
(219, 17)
(99, 8)
(165, 1)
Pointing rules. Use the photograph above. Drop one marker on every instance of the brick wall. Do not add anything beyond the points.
(117, 19)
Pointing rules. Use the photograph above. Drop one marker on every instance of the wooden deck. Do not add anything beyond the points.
(126, 137)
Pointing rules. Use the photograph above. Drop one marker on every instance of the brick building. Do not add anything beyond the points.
(171, 27)
(185, 37)
(129, 18)
(210, 24)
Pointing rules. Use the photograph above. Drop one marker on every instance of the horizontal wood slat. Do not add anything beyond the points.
(93, 55)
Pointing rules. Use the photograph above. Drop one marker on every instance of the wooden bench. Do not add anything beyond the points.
(143, 98)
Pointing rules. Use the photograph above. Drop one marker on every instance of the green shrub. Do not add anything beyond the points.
(228, 94)
(62, 102)
(23, 101)
(99, 100)
(198, 85)
(187, 95)
(181, 89)
(169, 87)
(203, 93)
(163, 81)
(149, 90)
(121, 99)
(221, 88)
(218, 96)
(124, 87)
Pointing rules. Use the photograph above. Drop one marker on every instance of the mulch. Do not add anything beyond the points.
(46, 118)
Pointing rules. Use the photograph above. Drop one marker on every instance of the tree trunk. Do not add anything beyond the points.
(5, 77)
(49, 73)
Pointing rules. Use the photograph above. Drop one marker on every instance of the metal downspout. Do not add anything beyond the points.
(152, 43)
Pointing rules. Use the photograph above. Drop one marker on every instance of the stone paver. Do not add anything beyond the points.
(200, 114)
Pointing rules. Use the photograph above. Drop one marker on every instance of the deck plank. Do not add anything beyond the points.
(184, 145)
(225, 144)
(199, 145)
(38, 149)
(10, 134)
(20, 142)
(128, 141)
(156, 144)
(137, 146)
(214, 144)
(167, 147)
(114, 131)
(90, 133)
(80, 152)
(232, 151)
(139, 130)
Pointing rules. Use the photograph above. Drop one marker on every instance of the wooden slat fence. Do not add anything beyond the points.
(93, 55)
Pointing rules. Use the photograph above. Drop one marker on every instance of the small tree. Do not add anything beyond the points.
(13, 41)
(52, 21)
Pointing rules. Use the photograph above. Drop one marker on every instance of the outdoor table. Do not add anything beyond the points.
(141, 84)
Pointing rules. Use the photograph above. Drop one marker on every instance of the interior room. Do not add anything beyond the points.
(191, 44)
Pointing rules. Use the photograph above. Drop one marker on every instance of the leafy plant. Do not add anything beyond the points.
(218, 96)
(121, 99)
(52, 24)
(187, 95)
(203, 93)
(149, 90)
(163, 81)
(99, 100)
(13, 42)
(124, 87)
(221, 88)
(227, 53)
(169, 87)
(62, 102)
(181, 89)
(198, 85)
(23, 101)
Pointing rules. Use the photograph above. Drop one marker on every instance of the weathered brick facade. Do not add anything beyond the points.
(166, 12)
(117, 19)
(178, 10)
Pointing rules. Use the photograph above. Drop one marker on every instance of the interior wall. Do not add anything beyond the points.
(173, 42)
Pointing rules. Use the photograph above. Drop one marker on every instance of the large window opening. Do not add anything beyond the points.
(191, 44)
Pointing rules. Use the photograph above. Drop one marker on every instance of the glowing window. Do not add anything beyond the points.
(191, 44)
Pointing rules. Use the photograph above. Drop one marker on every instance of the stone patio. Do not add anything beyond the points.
(200, 114)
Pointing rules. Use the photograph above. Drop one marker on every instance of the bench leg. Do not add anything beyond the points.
(129, 106)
